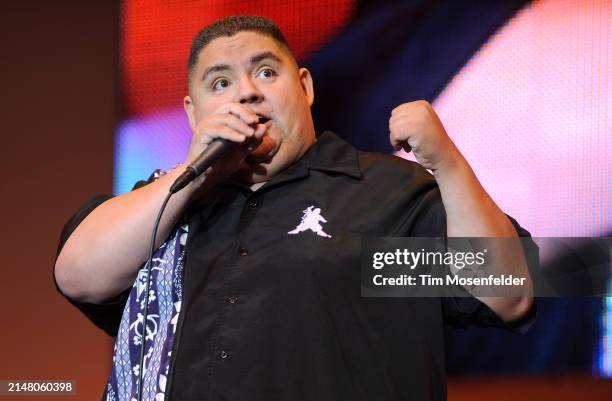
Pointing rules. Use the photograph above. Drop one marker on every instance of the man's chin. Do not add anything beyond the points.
(257, 159)
(264, 152)
(252, 173)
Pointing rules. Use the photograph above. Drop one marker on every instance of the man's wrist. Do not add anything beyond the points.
(451, 168)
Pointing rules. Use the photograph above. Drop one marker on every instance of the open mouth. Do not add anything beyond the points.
(263, 119)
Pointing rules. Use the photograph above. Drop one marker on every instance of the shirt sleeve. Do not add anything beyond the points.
(461, 311)
(464, 309)
(107, 315)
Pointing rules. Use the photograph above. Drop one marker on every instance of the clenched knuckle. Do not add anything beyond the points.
(424, 103)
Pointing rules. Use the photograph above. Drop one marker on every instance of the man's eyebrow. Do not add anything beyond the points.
(263, 56)
(215, 68)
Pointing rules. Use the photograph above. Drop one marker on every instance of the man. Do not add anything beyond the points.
(246, 304)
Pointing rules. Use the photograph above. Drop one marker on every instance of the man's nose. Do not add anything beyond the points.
(249, 93)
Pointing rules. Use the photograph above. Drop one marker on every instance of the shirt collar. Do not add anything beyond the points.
(332, 154)
(329, 154)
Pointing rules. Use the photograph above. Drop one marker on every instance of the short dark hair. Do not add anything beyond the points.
(229, 26)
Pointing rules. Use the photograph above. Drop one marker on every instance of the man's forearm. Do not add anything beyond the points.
(470, 212)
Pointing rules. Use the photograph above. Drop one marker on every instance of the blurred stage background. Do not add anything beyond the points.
(93, 103)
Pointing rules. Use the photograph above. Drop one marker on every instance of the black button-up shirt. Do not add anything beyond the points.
(273, 315)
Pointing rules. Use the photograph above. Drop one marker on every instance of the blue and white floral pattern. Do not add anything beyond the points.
(165, 297)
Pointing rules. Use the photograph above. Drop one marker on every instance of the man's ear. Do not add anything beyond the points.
(306, 83)
(190, 111)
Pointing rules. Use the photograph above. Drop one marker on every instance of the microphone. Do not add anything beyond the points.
(213, 152)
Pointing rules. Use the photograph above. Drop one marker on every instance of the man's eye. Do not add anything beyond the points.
(220, 84)
(266, 73)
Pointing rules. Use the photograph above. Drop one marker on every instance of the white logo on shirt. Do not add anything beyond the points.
(311, 220)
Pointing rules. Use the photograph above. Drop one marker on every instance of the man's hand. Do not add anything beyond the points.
(415, 126)
(232, 121)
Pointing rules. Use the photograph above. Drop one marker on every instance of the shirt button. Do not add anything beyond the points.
(242, 251)
(232, 300)
(223, 354)
(253, 203)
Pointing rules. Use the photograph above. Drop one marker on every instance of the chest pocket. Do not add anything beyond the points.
(326, 255)
(304, 242)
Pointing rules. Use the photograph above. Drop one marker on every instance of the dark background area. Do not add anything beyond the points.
(59, 107)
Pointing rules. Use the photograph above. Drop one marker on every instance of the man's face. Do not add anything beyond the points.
(253, 69)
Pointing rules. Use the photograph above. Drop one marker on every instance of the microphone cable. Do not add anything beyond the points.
(146, 298)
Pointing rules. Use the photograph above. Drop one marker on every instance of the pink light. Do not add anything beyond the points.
(531, 113)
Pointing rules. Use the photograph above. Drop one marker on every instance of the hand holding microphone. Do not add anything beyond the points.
(230, 133)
